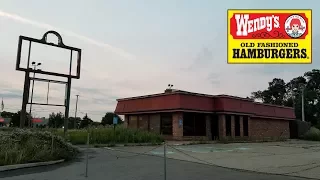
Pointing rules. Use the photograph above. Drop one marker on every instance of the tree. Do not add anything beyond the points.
(6, 114)
(294, 90)
(56, 120)
(86, 121)
(274, 94)
(290, 94)
(95, 124)
(71, 122)
(15, 118)
(108, 119)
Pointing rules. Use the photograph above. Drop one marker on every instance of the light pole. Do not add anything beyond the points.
(75, 113)
(35, 65)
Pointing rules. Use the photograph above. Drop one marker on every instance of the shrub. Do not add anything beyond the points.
(25, 146)
(313, 134)
(110, 136)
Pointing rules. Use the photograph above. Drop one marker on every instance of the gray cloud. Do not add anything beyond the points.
(11, 95)
(106, 101)
(67, 32)
(92, 91)
(97, 96)
(213, 78)
(202, 59)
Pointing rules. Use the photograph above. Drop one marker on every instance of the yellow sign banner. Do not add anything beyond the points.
(259, 36)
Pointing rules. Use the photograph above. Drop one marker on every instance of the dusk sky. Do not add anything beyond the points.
(136, 47)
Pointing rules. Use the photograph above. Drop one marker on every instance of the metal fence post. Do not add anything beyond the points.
(87, 158)
(165, 160)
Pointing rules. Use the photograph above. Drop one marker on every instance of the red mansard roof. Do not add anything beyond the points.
(177, 100)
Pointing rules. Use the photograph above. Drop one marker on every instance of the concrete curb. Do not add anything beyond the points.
(172, 143)
(116, 145)
(28, 165)
(211, 164)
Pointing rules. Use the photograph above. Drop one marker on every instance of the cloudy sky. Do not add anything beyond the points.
(134, 47)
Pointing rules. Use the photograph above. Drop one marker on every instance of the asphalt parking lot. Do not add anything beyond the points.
(112, 164)
(293, 157)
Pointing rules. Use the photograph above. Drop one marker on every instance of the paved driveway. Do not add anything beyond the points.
(106, 164)
(294, 157)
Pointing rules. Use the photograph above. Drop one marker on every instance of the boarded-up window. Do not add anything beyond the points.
(228, 125)
(143, 122)
(237, 125)
(245, 126)
(133, 121)
(166, 124)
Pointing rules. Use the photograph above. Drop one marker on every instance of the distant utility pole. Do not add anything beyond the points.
(75, 113)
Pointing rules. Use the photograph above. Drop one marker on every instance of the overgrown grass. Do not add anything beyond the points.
(313, 134)
(18, 146)
(110, 136)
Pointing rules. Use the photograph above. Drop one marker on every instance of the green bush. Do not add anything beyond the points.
(108, 135)
(313, 134)
(20, 146)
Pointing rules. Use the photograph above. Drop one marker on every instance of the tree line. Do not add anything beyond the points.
(56, 120)
(290, 94)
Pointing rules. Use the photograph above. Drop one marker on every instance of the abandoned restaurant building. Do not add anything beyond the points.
(182, 115)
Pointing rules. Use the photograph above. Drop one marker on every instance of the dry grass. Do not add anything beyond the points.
(107, 135)
(19, 146)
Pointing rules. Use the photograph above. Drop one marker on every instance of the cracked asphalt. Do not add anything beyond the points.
(110, 164)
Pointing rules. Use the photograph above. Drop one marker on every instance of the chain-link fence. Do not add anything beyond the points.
(164, 161)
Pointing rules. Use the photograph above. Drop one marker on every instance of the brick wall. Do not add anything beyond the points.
(222, 126)
(177, 131)
(143, 122)
(249, 126)
(126, 120)
(233, 133)
(258, 128)
(133, 121)
(241, 126)
(263, 128)
(154, 120)
(208, 126)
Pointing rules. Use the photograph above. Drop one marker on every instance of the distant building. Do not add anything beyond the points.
(5, 122)
(183, 115)
(40, 122)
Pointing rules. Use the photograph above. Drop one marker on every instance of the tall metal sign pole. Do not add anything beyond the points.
(26, 88)
(28, 70)
(67, 104)
(75, 113)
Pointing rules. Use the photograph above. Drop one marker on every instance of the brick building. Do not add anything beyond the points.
(183, 115)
